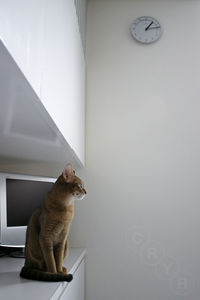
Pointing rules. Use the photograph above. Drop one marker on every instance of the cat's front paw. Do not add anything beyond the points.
(64, 270)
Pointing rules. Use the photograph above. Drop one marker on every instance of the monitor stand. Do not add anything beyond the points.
(18, 254)
(2, 253)
(12, 251)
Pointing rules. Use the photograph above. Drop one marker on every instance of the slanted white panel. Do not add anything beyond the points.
(27, 131)
(63, 88)
(21, 29)
(81, 11)
(44, 39)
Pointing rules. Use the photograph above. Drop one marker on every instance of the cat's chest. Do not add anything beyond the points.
(55, 229)
(60, 233)
(54, 225)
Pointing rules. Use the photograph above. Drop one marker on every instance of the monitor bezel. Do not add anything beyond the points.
(13, 236)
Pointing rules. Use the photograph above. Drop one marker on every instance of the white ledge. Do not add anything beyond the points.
(14, 287)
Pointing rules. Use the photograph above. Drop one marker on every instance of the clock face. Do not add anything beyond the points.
(146, 30)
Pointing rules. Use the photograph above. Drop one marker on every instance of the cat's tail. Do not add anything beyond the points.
(35, 274)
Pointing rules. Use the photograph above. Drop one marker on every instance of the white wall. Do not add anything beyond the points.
(142, 164)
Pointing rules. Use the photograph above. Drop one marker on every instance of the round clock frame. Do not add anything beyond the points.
(145, 30)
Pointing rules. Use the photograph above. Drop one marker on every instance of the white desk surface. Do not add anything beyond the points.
(13, 287)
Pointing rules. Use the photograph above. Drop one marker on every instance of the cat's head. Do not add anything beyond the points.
(75, 184)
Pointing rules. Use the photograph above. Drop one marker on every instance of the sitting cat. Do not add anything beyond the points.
(48, 228)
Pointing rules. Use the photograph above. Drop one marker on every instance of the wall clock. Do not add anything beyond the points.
(146, 30)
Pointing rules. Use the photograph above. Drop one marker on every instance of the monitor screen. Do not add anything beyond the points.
(23, 197)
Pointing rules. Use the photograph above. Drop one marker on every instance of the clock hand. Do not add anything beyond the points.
(148, 26)
(154, 27)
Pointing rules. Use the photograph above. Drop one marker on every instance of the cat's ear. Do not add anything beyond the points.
(68, 173)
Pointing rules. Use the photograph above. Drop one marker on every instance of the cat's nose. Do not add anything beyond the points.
(84, 191)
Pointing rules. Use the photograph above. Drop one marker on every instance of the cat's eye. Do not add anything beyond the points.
(80, 185)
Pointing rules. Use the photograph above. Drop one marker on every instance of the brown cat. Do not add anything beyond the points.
(48, 228)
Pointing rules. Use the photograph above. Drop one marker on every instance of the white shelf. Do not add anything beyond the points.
(14, 287)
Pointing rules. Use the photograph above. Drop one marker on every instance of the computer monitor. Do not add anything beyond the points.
(20, 195)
